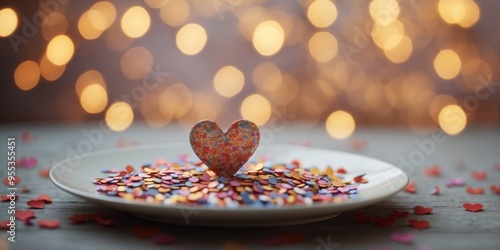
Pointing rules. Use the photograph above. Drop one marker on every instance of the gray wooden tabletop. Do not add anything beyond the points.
(451, 226)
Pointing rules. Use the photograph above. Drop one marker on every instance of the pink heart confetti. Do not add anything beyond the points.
(403, 238)
(434, 191)
(224, 153)
(473, 207)
(28, 162)
(455, 182)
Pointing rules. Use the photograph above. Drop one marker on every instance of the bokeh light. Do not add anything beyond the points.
(94, 98)
(191, 39)
(447, 64)
(267, 76)
(228, 81)
(384, 12)
(340, 124)
(268, 38)
(50, 71)
(135, 22)
(174, 12)
(102, 15)
(87, 78)
(323, 46)
(452, 119)
(55, 24)
(60, 50)
(401, 51)
(119, 116)
(8, 19)
(175, 101)
(27, 75)
(256, 108)
(322, 13)
(136, 63)
(463, 12)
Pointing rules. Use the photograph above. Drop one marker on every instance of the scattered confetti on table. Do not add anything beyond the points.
(399, 214)
(479, 175)
(475, 190)
(419, 224)
(410, 188)
(433, 171)
(36, 204)
(403, 238)
(259, 184)
(51, 224)
(385, 221)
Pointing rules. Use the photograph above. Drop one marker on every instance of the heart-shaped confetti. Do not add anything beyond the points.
(479, 175)
(44, 172)
(51, 224)
(45, 198)
(399, 214)
(477, 190)
(419, 210)
(419, 224)
(493, 188)
(25, 215)
(36, 204)
(5, 224)
(6, 198)
(224, 153)
(361, 218)
(433, 170)
(162, 238)
(410, 188)
(434, 191)
(455, 182)
(403, 238)
(143, 232)
(384, 221)
(473, 207)
(341, 170)
(28, 162)
(11, 181)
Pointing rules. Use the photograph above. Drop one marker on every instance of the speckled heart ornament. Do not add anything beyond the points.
(224, 153)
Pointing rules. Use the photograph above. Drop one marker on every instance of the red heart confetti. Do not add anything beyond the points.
(410, 188)
(36, 204)
(224, 153)
(6, 198)
(5, 224)
(434, 191)
(479, 175)
(162, 238)
(143, 232)
(477, 190)
(24, 189)
(384, 221)
(493, 188)
(433, 170)
(45, 198)
(399, 214)
(129, 169)
(80, 218)
(419, 224)
(341, 170)
(403, 238)
(27, 137)
(360, 179)
(419, 210)
(105, 222)
(44, 172)
(11, 181)
(25, 215)
(361, 218)
(473, 207)
(51, 224)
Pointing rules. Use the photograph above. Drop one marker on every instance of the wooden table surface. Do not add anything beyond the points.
(451, 226)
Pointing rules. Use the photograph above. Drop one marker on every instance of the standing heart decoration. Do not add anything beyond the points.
(224, 153)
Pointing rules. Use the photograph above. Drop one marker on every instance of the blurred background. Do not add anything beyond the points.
(340, 64)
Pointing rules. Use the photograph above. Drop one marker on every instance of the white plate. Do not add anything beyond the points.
(75, 176)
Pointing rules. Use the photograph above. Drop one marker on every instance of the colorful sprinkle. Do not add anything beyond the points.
(410, 188)
(434, 191)
(403, 238)
(455, 182)
(479, 175)
(476, 190)
(433, 171)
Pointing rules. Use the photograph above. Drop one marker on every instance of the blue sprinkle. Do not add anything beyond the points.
(246, 198)
(188, 184)
(274, 195)
(136, 184)
(272, 180)
(220, 186)
(222, 179)
(112, 193)
(309, 194)
(152, 192)
(174, 175)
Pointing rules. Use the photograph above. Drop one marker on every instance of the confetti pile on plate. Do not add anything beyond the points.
(261, 184)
